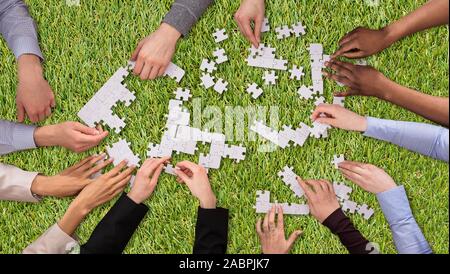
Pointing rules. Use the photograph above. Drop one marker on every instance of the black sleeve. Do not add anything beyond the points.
(350, 237)
(112, 234)
(211, 231)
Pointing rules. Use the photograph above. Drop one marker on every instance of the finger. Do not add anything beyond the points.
(291, 240)
(354, 54)
(248, 32)
(326, 186)
(99, 167)
(266, 223)
(162, 71)
(184, 178)
(328, 109)
(326, 121)
(113, 172)
(187, 165)
(340, 69)
(352, 166)
(351, 176)
(48, 112)
(346, 65)
(280, 222)
(41, 115)
(338, 78)
(52, 102)
(127, 172)
(135, 53)
(272, 214)
(348, 37)
(258, 26)
(86, 130)
(258, 227)
(145, 73)
(139, 66)
(305, 188)
(20, 113)
(156, 175)
(82, 162)
(120, 186)
(154, 72)
(348, 92)
(349, 46)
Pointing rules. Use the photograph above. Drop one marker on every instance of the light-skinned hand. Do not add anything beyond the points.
(271, 233)
(196, 178)
(321, 197)
(369, 177)
(154, 53)
(34, 97)
(146, 179)
(71, 135)
(359, 80)
(363, 42)
(251, 11)
(339, 117)
(71, 180)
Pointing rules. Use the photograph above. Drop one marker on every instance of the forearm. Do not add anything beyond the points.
(434, 13)
(18, 28)
(350, 237)
(211, 231)
(73, 217)
(15, 184)
(429, 140)
(430, 107)
(185, 13)
(407, 235)
(53, 241)
(15, 137)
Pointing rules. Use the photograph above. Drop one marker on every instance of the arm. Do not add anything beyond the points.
(185, 13)
(112, 234)
(15, 137)
(429, 140)
(114, 231)
(350, 237)
(211, 231)
(408, 237)
(53, 241)
(18, 28)
(15, 184)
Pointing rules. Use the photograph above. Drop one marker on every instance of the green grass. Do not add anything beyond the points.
(85, 45)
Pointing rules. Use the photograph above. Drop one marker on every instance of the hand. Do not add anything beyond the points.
(146, 179)
(359, 80)
(251, 10)
(70, 181)
(71, 135)
(154, 53)
(271, 234)
(34, 96)
(321, 197)
(370, 178)
(196, 178)
(339, 117)
(363, 42)
(100, 191)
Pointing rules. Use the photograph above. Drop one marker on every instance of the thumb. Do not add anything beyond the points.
(136, 51)
(258, 27)
(183, 176)
(294, 237)
(86, 130)
(20, 113)
(326, 121)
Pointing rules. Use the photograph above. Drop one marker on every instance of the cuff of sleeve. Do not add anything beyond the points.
(180, 18)
(395, 204)
(126, 206)
(372, 127)
(333, 221)
(23, 136)
(216, 217)
(27, 45)
(53, 241)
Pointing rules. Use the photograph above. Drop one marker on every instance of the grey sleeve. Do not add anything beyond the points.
(18, 28)
(14, 137)
(185, 13)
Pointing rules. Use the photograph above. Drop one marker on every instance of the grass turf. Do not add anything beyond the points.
(84, 45)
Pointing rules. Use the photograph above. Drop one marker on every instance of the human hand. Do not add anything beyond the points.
(359, 80)
(321, 197)
(71, 180)
(146, 179)
(369, 177)
(363, 42)
(71, 135)
(154, 53)
(34, 96)
(251, 10)
(271, 234)
(196, 178)
(339, 117)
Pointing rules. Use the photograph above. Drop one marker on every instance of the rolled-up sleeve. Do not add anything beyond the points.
(15, 137)
(185, 13)
(18, 28)
(407, 235)
(429, 140)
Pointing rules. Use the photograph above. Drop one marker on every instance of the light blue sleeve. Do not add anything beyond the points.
(429, 140)
(14, 137)
(18, 28)
(408, 237)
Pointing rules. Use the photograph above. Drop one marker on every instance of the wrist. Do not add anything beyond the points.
(80, 208)
(209, 202)
(170, 32)
(391, 34)
(135, 197)
(29, 66)
(44, 136)
(37, 186)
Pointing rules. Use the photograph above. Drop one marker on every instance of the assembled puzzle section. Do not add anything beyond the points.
(289, 177)
(121, 151)
(282, 138)
(263, 205)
